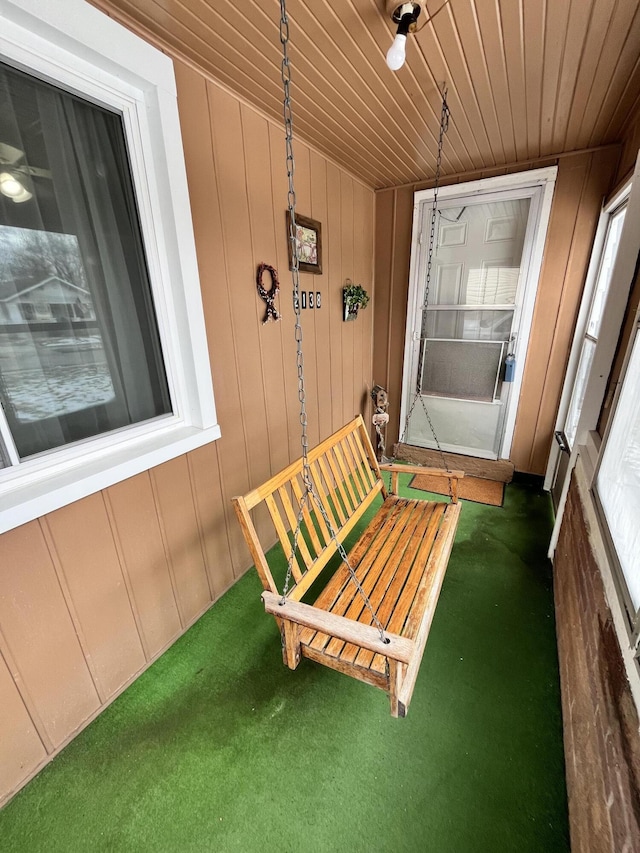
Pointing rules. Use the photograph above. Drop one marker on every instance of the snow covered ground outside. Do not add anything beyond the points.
(46, 373)
(38, 393)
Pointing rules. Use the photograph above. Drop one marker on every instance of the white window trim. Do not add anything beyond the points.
(595, 263)
(80, 49)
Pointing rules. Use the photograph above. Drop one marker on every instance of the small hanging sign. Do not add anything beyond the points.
(269, 296)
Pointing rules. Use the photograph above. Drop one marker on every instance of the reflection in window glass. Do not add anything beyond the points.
(618, 480)
(79, 345)
(495, 284)
(579, 389)
(468, 325)
(604, 273)
(478, 253)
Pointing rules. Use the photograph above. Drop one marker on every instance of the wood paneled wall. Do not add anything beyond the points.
(92, 593)
(630, 147)
(583, 181)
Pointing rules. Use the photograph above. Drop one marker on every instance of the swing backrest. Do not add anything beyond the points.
(346, 479)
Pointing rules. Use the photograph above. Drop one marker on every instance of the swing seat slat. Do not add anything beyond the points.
(400, 560)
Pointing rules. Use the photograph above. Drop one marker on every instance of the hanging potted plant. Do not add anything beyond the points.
(354, 296)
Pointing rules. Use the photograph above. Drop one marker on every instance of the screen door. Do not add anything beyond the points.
(465, 335)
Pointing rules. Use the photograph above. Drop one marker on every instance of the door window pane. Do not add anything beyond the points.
(466, 324)
(80, 351)
(478, 253)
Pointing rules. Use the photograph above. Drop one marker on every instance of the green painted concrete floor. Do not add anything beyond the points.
(218, 747)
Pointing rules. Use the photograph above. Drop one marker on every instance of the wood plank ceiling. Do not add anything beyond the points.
(526, 78)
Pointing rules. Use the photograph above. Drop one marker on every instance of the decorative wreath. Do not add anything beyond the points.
(269, 296)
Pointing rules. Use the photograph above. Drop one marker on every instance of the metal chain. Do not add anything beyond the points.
(444, 127)
(295, 266)
(295, 277)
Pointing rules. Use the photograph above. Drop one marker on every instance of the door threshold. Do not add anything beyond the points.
(490, 469)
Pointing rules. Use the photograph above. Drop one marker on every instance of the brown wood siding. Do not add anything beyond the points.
(629, 150)
(41, 641)
(17, 726)
(92, 593)
(583, 181)
(600, 720)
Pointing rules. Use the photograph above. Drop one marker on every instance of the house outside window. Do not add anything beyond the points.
(103, 359)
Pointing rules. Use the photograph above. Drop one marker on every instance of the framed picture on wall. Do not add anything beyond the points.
(308, 243)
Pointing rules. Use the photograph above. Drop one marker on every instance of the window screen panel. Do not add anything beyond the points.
(468, 324)
(466, 370)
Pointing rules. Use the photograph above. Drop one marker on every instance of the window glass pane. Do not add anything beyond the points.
(618, 481)
(604, 273)
(79, 346)
(468, 325)
(577, 397)
(495, 283)
(478, 253)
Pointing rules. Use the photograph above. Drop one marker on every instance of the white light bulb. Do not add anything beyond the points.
(24, 195)
(9, 186)
(396, 54)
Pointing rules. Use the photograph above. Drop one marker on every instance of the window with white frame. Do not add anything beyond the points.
(103, 358)
(598, 301)
(617, 485)
(80, 351)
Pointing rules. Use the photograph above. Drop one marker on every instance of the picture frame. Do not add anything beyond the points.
(309, 244)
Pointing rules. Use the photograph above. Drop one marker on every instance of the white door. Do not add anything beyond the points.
(467, 332)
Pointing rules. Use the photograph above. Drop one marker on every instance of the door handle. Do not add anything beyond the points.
(561, 438)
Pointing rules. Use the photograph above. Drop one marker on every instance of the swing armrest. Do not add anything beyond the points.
(419, 469)
(395, 469)
(366, 636)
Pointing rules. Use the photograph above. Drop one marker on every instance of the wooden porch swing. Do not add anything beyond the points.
(372, 617)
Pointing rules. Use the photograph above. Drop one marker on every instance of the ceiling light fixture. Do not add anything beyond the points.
(405, 15)
(410, 17)
(13, 186)
(16, 175)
